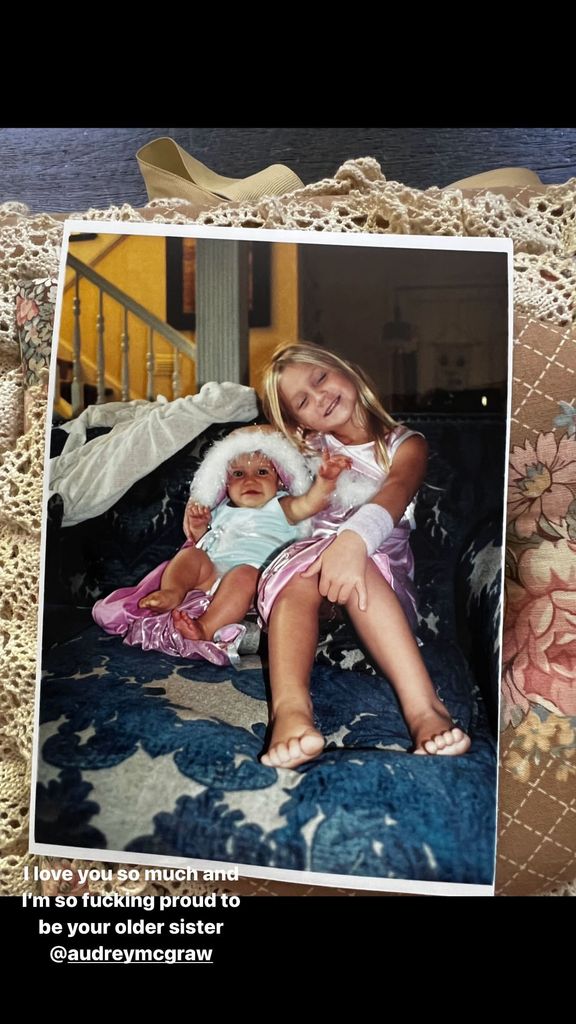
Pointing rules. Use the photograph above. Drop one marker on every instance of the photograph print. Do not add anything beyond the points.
(271, 615)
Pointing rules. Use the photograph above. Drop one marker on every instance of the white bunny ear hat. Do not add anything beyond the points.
(209, 484)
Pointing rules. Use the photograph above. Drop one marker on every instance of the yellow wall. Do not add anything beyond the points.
(284, 310)
(136, 264)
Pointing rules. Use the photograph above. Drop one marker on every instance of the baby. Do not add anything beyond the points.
(197, 599)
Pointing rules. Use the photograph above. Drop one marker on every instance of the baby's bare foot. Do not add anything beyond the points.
(161, 600)
(434, 732)
(192, 629)
(294, 740)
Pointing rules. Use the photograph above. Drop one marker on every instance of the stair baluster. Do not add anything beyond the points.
(77, 390)
(176, 370)
(125, 349)
(101, 359)
(150, 366)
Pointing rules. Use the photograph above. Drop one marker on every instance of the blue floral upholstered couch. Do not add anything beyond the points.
(142, 752)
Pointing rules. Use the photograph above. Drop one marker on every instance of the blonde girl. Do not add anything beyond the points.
(359, 555)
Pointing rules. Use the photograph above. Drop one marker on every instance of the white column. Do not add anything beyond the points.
(221, 310)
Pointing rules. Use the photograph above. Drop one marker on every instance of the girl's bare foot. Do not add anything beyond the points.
(192, 629)
(161, 600)
(294, 740)
(434, 732)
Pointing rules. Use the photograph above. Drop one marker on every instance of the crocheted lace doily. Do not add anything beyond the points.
(542, 224)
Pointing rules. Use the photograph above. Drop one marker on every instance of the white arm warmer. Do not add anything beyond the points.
(371, 522)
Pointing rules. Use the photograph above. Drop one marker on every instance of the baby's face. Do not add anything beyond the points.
(251, 481)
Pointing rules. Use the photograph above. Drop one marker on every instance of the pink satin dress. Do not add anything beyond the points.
(355, 487)
(120, 615)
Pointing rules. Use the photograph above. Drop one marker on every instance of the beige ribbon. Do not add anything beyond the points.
(170, 172)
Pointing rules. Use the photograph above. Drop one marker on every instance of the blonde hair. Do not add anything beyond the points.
(370, 411)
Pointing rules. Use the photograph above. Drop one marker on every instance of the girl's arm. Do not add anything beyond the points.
(342, 566)
(318, 496)
(404, 478)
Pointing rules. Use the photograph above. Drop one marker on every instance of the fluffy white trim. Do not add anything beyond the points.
(209, 483)
(352, 488)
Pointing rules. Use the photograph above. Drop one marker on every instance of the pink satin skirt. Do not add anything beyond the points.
(120, 615)
(394, 561)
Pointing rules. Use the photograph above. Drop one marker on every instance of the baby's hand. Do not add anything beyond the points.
(333, 465)
(197, 519)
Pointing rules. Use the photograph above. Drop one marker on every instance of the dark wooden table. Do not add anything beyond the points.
(65, 169)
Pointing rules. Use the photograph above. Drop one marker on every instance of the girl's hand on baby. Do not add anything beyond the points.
(196, 517)
(342, 570)
(333, 465)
